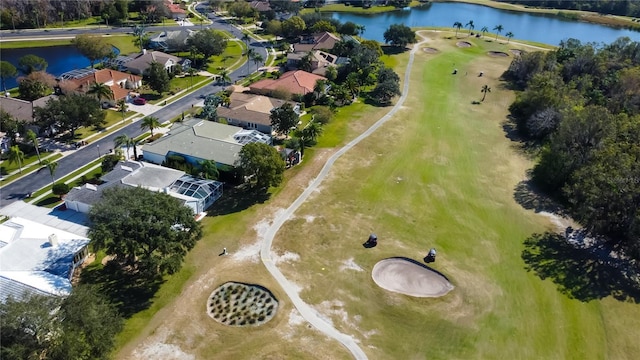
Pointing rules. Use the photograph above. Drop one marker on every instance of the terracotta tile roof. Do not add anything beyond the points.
(296, 82)
(106, 76)
(251, 108)
(174, 8)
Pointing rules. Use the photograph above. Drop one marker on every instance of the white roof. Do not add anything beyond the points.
(31, 262)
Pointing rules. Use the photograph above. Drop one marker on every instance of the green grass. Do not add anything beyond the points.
(335, 132)
(124, 43)
(231, 55)
(31, 167)
(356, 9)
(112, 117)
(69, 177)
(34, 43)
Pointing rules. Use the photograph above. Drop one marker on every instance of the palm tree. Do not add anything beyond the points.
(191, 72)
(257, 59)
(457, 25)
(250, 53)
(360, 29)
(509, 35)
(150, 123)
(100, 90)
(224, 76)
(312, 131)
(246, 38)
(124, 140)
(138, 31)
(498, 30)
(33, 138)
(470, 26)
(485, 89)
(484, 30)
(52, 166)
(16, 156)
(122, 107)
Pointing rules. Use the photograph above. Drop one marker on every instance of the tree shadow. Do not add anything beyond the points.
(531, 198)
(585, 273)
(237, 199)
(393, 50)
(131, 292)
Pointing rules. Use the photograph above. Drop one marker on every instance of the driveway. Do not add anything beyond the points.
(146, 109)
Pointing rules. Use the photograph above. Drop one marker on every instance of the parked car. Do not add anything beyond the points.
(139, 101)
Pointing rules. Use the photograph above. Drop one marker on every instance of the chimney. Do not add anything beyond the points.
(53, 240)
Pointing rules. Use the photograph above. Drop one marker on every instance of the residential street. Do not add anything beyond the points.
(34, 181)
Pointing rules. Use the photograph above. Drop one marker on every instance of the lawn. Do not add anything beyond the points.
(356, 9)
(124, 43)
(112, 117)
(440, 173)
(228, 59)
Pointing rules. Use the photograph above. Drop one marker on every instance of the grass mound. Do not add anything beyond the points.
(238, 304)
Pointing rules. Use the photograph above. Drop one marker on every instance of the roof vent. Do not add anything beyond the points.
(53, 240)
(126, 168)
(91, 187)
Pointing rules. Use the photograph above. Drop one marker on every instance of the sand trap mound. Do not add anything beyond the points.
(516, 52)
(497, 54)
(463, 44)
(409, 277)
(430, 50)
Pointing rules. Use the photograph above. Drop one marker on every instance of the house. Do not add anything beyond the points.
(296, 82)
(22, 110)
(176, 11)
(251, 111)
(198, 140)
(320, 61)
(320, 41)
(171, 40)
(197, 194)
(260, 6)
(120, 83)
(141, 63)
(38, 259)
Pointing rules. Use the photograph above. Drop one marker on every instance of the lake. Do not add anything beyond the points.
(532, 27)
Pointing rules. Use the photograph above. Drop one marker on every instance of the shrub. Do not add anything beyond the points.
(60, 189)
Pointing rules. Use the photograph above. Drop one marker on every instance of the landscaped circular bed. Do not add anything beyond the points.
(497, 54)
(409, 277)
(238, 304)
(463, 44)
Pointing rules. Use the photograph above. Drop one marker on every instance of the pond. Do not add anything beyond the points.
(540, 28)
(60, 59)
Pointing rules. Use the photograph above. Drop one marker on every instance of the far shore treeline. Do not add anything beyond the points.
(579, 106)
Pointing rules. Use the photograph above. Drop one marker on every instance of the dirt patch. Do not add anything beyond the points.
(430, 50)
(497, 54)
(516, 52)
(238, 304)
(463, 44)
(409, 277)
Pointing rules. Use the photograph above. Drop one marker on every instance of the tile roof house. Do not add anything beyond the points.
(120, 83)
(296, 82)
(176, 11)
(170, 40)
(198, 140)
(251, 111)
(197, 194)
(320, 61)
(141, 63)
(38, 259)
(320, 41)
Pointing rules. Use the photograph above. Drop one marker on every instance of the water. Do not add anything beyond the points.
(532, 27)
(60, 59)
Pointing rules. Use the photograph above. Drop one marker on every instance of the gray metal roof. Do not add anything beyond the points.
(205, 140)
(153, 177)
(121, 170)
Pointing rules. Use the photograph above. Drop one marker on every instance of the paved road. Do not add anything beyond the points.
(305, 309)
(68, 164)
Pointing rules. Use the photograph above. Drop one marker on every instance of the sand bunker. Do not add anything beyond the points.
(497, 54)
(463, 44)
(430, 50)
(409, 277)
(516, 52)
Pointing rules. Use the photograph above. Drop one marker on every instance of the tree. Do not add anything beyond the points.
(293, 26)
(101, 91)
(246, 38)
(150, 122)
(30, 63)
(139, 33)
(122, 107)
(312, 131)
(509, 35)
(331, 73)
(148, 231)
(274, 27)
(261, 165)
(33, 138)
(7, 71)
(93, 47)
(224, 76)
(283, 119)
(257, 59)
(60, 189)
(349, 28)
(485, 89)
(210, 108)
(157, 78)
(207, 169)
(10, 125)
(498, 30)
(208, 42)
(128, 142)
(35, 85)
(484, 30)
(51, 166)
(373, 45)
(16, 156)
(458, 26)
(385, 91)
(399, 35)
(70, 112)
(322, 114)
(470, 26)
(322, 26)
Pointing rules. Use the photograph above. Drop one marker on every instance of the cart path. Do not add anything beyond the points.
(307, 312)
